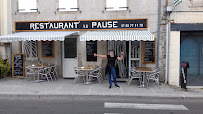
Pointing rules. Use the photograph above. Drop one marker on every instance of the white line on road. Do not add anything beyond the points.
(145, 106)
(113, 113)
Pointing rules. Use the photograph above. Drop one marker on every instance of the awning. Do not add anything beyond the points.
(26, 36)
(131, 35)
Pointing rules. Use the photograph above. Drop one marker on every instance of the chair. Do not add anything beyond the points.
(96, 74)
(54, 72)
(78, 74)
(46, 72)
(30, 72)
(153, 76)
(134, 75)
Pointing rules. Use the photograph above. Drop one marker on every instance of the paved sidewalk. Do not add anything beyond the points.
(15, 87)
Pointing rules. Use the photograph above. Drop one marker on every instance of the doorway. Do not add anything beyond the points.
(69, 57)
(192, 52)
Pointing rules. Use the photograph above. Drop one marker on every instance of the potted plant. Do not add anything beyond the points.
(5, 67)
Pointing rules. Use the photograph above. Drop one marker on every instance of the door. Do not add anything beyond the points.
(192, 52)
(69, 57)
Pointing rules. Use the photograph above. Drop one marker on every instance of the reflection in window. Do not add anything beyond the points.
(30, 50)
(112, 5)
(68, 5)
(27, 6)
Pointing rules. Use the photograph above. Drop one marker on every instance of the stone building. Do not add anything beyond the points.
(185, 27)
(38, 11)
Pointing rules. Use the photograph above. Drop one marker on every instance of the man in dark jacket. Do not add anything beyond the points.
(110, 68)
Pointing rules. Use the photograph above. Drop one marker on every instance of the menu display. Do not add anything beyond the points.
(18, 65)
(149, 48)
(91, 48)
(48, 49)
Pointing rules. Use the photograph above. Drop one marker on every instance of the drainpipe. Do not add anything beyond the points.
(168, 26)
(159, 31)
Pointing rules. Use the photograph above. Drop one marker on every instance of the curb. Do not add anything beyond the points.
(72, 96)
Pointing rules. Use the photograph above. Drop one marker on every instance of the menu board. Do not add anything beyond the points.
(48, 49)
(91, 48)
(149, 52)
(18, 65)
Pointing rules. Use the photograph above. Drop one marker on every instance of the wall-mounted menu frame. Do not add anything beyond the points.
(48, 49)
(18, 65)
(149, 52)
(91, 48)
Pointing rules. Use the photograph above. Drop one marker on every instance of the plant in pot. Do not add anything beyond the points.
(5, 67)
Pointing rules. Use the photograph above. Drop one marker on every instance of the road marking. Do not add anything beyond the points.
(113, 113)
(145, 106)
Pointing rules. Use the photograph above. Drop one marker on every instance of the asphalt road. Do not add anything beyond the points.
(100, 105)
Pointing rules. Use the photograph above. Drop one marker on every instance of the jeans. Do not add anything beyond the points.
(113, 73)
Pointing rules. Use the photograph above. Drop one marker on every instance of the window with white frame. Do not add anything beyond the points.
(29, 48)
(197, 3)
(68, 5)
(113, 5)
(27, 6)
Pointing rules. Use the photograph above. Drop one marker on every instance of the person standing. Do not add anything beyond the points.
(110, 67)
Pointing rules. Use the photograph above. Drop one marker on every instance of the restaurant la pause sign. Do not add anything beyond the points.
(82, 25)
(77, 25)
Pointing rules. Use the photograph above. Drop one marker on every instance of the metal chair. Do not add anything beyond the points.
(54, 72)
(46, 72)
(78, 74)
(154, 76)
(30, 72)
(96, 74)
(134, 75)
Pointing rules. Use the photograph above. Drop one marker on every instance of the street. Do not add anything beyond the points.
(101, 105)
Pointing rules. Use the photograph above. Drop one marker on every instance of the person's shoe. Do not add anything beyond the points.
(109, 87)
(117, 86)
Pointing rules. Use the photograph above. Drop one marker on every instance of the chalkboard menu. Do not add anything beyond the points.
(149, 53)
(91, 48)
(48, 49)
(18, 65)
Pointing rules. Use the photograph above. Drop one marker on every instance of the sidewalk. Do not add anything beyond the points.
(20, 88)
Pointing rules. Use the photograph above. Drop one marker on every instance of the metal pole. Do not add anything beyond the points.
(159, 31)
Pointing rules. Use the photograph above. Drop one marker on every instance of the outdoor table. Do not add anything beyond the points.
(86, 70)
(143, 71)
(37, 69)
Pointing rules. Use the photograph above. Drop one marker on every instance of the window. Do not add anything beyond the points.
(30, 50)
(27, 6)
(112, 5)
(68, 5)
(196, 3)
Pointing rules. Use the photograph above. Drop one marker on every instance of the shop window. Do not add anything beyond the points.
(116, 5)
(197, 3)
(27, 6)
(68, 5)
(30, 50)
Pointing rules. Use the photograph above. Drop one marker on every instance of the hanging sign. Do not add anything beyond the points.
(48, 49)
(91, 48)
(77, 25)
(149, 52)
(18, 65)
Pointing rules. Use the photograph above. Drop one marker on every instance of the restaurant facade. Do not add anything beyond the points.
(69, 39)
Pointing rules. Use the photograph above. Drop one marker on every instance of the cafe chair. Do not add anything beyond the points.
(54, 72)
(134, 75)
(46, 72)
(154, 76)
(30, 72)
(96, 74)
(78, 75)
